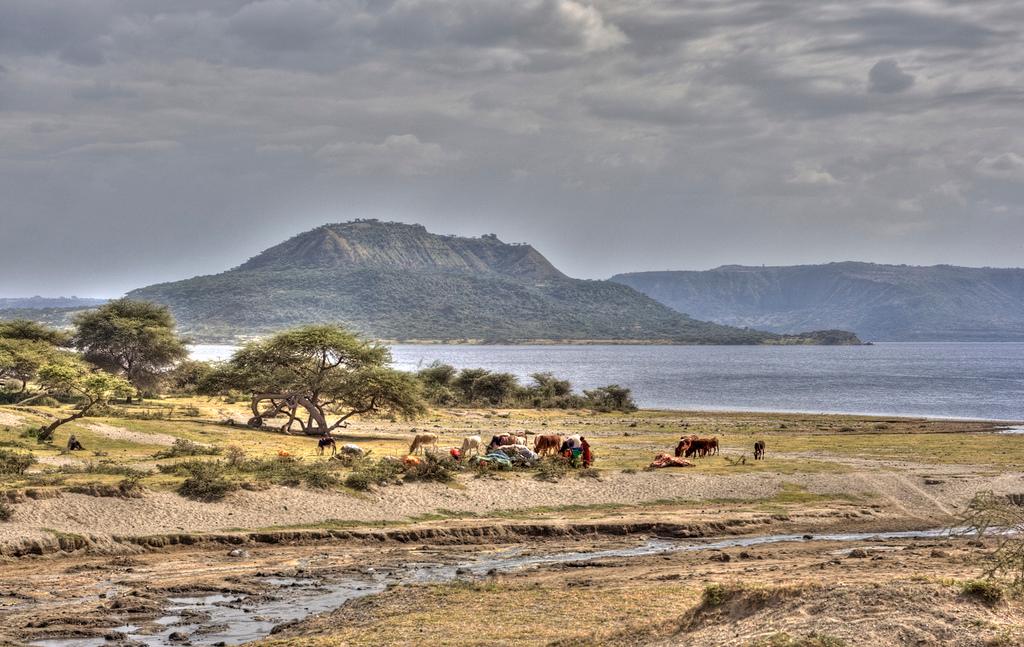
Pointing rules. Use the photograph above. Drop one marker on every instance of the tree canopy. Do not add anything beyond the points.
(135, 339)
(67, 375)
(25, 346)
(315, 373)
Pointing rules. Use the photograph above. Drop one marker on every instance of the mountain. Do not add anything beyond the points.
(878, 302)
(52, 311)
(38, 302)
(398, 281)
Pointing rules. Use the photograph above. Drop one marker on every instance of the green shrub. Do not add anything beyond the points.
(185, 447)
(714, 595)
(552, 469)
(440, 469)
(370, 472)
(320, 476)
(206, 481)
(15, 462)
(987, 592)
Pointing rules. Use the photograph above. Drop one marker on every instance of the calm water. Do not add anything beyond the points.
(965, 380)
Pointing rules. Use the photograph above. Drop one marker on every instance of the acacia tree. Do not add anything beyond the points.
(25, 346)
(135, 339)
(67, 375)
(315, 373)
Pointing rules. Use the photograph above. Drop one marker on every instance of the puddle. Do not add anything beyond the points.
(1011, 430)
(235, 619)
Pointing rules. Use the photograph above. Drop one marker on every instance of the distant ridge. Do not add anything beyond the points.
(398, 281)
(879, 302)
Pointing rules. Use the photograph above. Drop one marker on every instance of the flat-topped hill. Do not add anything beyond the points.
(401, 282)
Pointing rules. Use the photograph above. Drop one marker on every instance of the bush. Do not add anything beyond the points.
(320, 476)
(234, 455)
(987, 592)
(206, 482)
(714, 595)
(371, 472)
(6, 511)
(589, 472)
(185, 447)
(15, 462)
(552, 469)
(440, 469)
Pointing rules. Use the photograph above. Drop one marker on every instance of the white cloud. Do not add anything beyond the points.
(396, 154)
(1007, 166)
(811, 175)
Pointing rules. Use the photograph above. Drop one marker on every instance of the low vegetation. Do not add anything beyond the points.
(444, 385)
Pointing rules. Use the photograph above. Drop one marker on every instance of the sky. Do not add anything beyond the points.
(145, 141)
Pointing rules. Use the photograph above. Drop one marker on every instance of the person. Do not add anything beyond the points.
(588, 458)
(74, 445)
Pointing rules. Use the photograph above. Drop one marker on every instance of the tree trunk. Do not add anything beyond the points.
(46, 433)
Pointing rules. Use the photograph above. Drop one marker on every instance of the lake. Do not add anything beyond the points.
(948, 379)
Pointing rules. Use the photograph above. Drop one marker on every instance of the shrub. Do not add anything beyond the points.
(234, 455)
(370, 473)
(15, 462)
(987, 592)
(552, 469)
(714, 595)
(6, 511)
(589, 472)
(185, 447)
(206, 481)
(440, 469)
(320, 476)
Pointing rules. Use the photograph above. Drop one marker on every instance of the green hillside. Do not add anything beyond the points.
(400, 282)
(879, 302)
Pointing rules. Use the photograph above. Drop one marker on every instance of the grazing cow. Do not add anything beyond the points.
(420, 442)
(324, 443)
(759, 450)
(713, 445)
(468, 443)
(506, 439)
(547, 444)
(699, 447)
(684, 444)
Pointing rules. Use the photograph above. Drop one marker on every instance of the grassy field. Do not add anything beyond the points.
(132, 437)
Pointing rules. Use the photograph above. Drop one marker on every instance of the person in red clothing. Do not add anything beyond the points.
(587, 457)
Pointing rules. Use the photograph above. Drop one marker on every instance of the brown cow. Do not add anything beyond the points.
(759, 450)
(546, 444)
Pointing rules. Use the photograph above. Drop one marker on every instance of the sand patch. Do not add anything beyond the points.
(120, 433)
(8, 419)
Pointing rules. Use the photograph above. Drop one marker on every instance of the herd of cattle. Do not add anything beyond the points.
(692, 446)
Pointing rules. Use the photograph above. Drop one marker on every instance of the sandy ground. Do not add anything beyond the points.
(902, 592)
(8, 419)
(120, 433)
(160, 512)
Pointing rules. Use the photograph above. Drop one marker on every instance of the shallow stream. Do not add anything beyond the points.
(230, 619)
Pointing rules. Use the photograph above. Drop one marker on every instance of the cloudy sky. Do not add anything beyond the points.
(142, 140)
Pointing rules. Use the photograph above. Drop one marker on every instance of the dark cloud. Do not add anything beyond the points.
(887, 77)
(147, 141)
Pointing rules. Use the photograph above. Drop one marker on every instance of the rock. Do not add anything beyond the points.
(808, 537)
(745, 555)
(369, 570)
(721, 557)
(114, 635)
(933, 481)
(858, 553)
(939, 553)
(177, 637)
(462, 570)
(238, 552)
